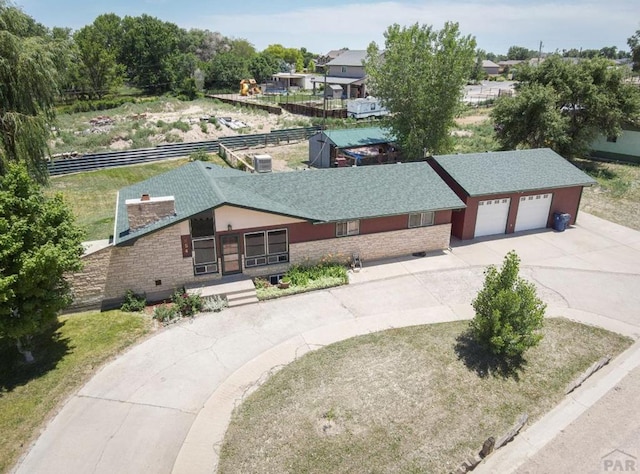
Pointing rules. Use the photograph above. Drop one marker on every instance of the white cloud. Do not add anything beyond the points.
(496, 26)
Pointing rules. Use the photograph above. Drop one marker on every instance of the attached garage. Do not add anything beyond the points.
(492, 217)
(533, 212)
(510, 191)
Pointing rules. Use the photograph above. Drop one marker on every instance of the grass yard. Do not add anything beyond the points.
(416, 399)
(616, 197)
(92, 195)
(29, 394)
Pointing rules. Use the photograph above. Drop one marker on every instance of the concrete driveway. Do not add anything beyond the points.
(163, 406)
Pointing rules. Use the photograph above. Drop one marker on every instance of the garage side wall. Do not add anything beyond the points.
(566, 200)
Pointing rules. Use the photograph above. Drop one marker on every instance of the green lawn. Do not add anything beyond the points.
(92, 195)
(29, 394)
(417, 399)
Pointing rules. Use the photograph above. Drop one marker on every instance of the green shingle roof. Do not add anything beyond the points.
(512, 171)
(326, 195)
(353, 137)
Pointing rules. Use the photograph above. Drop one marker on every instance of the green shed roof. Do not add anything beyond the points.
(316, 195)
(512, 171)
(353, 137)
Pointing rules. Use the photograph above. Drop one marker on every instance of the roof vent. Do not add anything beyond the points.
(262, 163)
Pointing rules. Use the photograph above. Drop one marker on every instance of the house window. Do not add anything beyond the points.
(347, 228)
(343, 69)
(421, 219)
(203, 242)
(266, 248)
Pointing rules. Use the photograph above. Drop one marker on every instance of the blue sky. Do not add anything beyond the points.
(331, 24)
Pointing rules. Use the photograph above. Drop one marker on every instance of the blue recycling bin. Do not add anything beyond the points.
(561, 221)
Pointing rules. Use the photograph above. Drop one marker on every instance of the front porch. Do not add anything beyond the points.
(238, 289)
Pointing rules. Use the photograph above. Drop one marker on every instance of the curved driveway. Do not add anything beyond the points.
(137, 412)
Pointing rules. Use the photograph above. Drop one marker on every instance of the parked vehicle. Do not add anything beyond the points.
(364, 108)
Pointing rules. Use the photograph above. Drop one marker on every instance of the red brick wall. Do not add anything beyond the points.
(563, 200)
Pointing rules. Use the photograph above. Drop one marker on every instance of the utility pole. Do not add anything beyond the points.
(324, 101)
(539, 53)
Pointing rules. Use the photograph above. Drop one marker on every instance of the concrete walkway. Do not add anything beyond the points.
(164, 405)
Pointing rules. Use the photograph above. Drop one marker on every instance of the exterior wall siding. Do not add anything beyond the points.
(374, 246)
(355, 72)
(625, 148)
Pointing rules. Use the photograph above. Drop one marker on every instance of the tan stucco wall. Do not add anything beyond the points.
(240, 218)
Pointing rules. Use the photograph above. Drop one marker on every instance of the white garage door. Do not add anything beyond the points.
(492, 217)
(533, 212)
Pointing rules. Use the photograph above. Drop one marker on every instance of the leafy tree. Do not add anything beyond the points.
(205, 44)
(149, 51)
(509, 314)
(39, 243)
(634, 45)
(227, 70)
(609, 52)
(28, 87)
(98, 47)
(590, 96)
(520, 53)
(242, 47)
(532, 118)
(262, 66)
(420, 79)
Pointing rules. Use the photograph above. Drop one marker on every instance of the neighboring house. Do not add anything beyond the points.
(288, 80)
(490, 67)
(200, 223)
(626, 147)
(330, 56)
(326, 147)
(510, 191)
(508, 64)
(347, 71)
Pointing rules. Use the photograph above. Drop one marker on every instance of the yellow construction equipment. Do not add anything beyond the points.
(249, 87)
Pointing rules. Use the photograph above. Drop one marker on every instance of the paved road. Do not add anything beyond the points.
(136, 413)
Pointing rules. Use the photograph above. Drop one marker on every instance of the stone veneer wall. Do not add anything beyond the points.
(374, 246)
(110, 272)
(89, 284)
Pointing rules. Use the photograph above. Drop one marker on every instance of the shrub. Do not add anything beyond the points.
(133, 302)
(214, 304)
(203, 127)
(187, 304)
(199, 155)
(509, 314)
(182, 126)
(165, 313)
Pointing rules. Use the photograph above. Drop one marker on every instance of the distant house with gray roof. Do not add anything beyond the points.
(347, 71)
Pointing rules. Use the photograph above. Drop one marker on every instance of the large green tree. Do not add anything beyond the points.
(39, 243)
(28, 86)
(420, 79)
(564, 106)
(98, 47)
(150, 49)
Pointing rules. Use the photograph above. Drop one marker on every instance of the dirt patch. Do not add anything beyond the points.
(120, 144)
(473, 119)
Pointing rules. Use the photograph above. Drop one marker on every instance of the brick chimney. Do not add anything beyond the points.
(147, 210)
